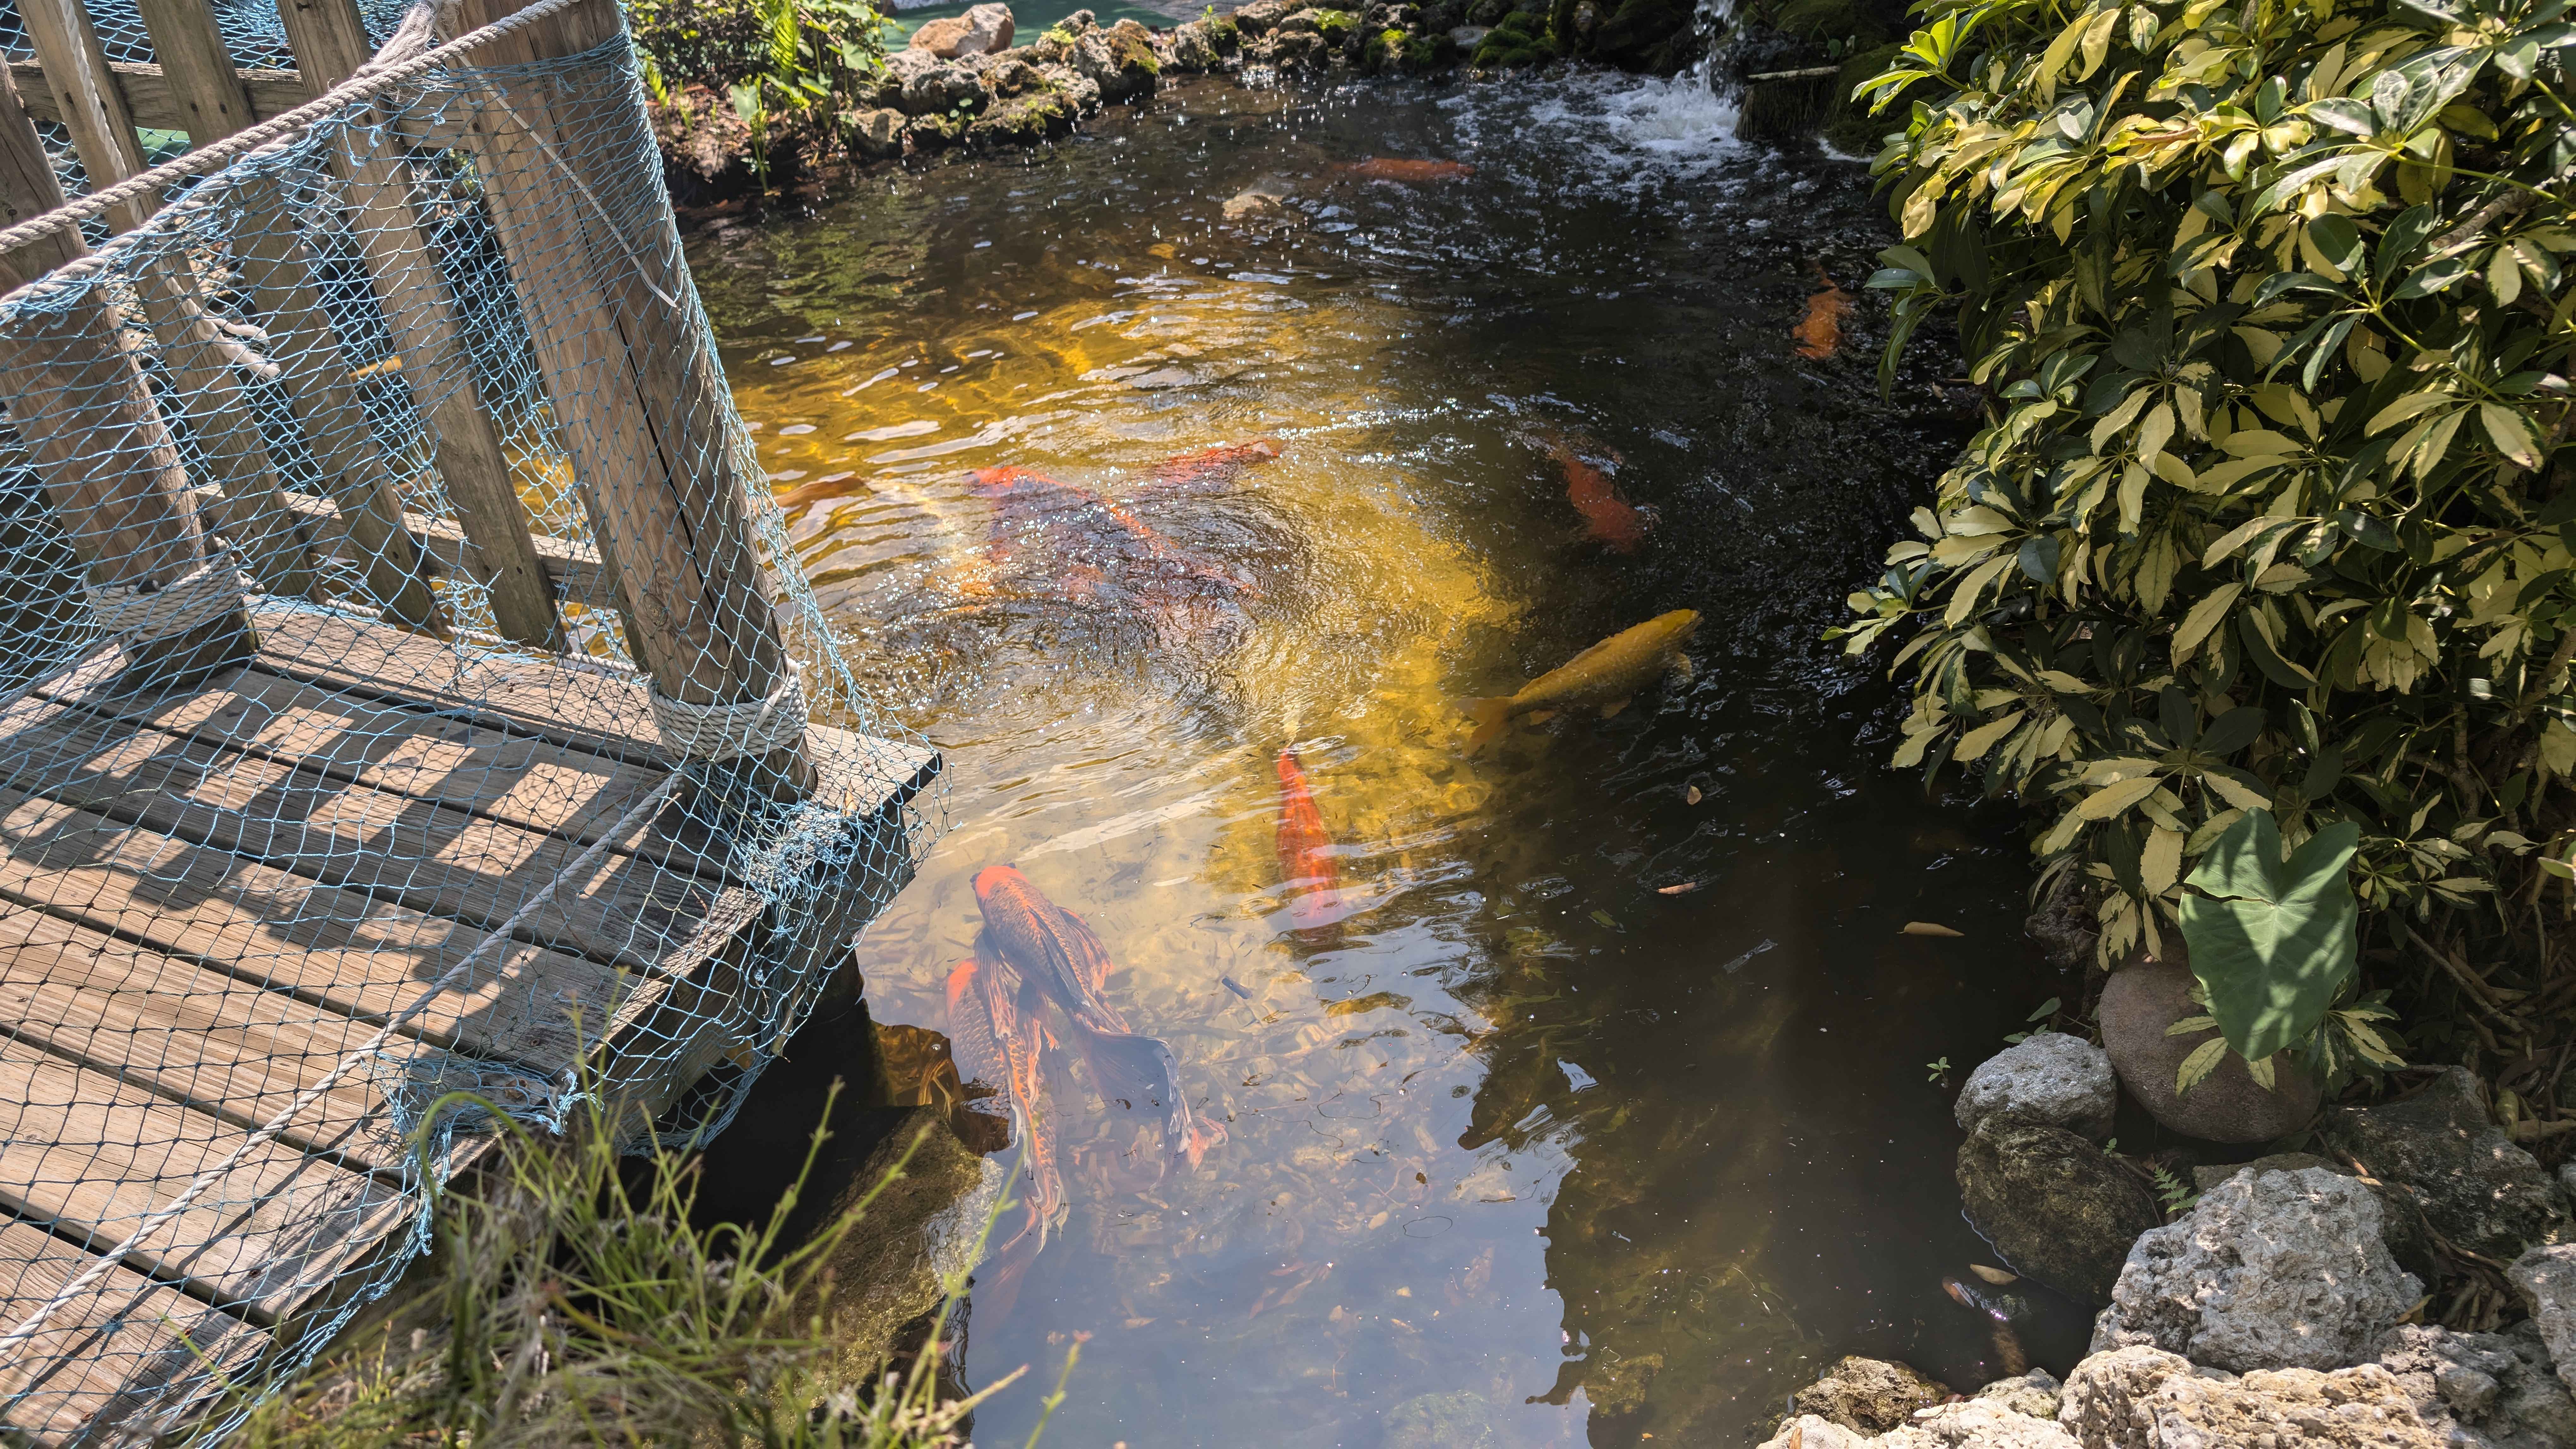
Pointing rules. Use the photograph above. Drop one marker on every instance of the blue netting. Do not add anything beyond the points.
(406, 689)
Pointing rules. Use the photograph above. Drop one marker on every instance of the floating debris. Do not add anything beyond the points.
(1929, 928)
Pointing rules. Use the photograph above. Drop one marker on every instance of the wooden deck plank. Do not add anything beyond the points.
(338, 949)
(103, 1355)
(620, 910)
(224, 1047)
(598, 710)
(94, 1156)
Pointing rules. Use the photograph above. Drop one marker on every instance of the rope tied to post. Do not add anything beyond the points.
(134, 615)
(719, 732)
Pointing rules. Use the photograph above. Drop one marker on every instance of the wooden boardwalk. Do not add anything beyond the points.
(208, 898)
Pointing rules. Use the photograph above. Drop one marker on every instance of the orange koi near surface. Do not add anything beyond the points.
(1606, 516)
(998, 1043)
(1410, 172)
(1306, 855)
(1060, 955)
(1820, 334)
(1094, 549)
(1213, 467)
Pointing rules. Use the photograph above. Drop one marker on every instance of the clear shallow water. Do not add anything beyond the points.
(1534, 1151)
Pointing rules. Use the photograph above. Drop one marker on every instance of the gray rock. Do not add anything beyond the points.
(2139, 1397)
(1975, 1424)
(2143, 998)
(1193, 47)
(940, 89)
(2053, 1205)
(1460, 1420)
(1868, 1394)
(1468, 37)
(2498, 1386)
(1072, 85)
(2546, 1279)
(2472, 1184)
(1261, 16)
(2052, 1079)
(2271, 1270)
(903, 65)
(877, 133)
(2034, 1393)
(1806, 1431)
(2400, 1225)
(2209, 1175)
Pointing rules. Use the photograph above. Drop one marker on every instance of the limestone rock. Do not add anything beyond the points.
(2546, 1279)
(2499, 1387)
(2207, 1176)
(2034, 1393)
(2400, 1226)
(1977, 1424)
(1469, 37)
(1193, 47)
(902, 65)
(941, 89)
(980, 31)
(1868, 1394)
(2053, 1205)
(2143, 998)
(2144, 1398)
(1806, 1431)
(2052, 1079)
(1119, 60)
(1261, 16)
(2473, 1185)
(877, 133)
(2271, 1270)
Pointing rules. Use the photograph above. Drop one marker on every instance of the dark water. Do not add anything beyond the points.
(1536, 1153)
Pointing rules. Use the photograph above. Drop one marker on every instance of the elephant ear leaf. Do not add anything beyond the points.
(2273, 941)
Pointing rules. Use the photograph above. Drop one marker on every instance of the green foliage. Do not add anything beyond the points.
(576, 1304)
(1333, 24)
(1940, 1071)
(2273, 941)
(768, 58)
(2270, 299)
(2173, 1194)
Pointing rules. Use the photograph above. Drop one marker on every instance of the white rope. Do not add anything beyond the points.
(729, 731)
(89, 1278)
(378, 75)
(133, 616)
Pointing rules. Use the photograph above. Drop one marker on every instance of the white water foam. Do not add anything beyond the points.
(1628, 133)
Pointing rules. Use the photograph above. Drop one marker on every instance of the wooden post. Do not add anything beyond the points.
(330, 42)
(95, 439)
(640, 403)
(273, 543)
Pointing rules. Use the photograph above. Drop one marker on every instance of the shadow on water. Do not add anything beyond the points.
(1535, 1152)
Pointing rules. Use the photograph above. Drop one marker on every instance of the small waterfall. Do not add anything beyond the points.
(1714, 20)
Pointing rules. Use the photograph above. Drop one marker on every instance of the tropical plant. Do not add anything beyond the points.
(770, 59)
(2269, 517)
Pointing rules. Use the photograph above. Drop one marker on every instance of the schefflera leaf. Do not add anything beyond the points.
(2273, 941)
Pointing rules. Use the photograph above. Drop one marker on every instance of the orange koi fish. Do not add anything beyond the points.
(1306, 855)
(1410, 172)
(1060, 955)
(1212, 467)
(837, 485)
(998, 1043)
(1606, 516)
(1820, 334)
(1095, 548)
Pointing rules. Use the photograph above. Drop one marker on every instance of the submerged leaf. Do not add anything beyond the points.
(1929, 928)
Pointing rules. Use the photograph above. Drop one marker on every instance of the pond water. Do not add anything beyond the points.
(1540, 1150)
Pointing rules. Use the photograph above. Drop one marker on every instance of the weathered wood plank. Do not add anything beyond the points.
(337, 949)
(598, 710)
(103, 1355)
(620, 910)
(95, 1156)
(572, 567)
(224, 1047)
(146, 92)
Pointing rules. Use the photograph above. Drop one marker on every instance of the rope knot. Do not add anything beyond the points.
(211, 591)
(717, 732)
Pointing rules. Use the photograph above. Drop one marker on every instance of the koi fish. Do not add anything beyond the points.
(1606, 675)
(1820, 333)
(833, 485)
(1060, 955)
(1306, 855)
(998, 1042)
(1097, 551)
(2000, 1310)
(1410, 172)
(1606, 516)
(1213, 467)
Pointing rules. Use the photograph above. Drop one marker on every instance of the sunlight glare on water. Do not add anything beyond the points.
(1535, 1152)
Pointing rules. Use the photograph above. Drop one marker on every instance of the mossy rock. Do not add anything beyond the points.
(1860, 24)
(1488, 13)
(1516, 41)
(1023, 120)
(1641, 35)
(1333, 25)
(1851, 129)
(1224, 34)
(930, 133)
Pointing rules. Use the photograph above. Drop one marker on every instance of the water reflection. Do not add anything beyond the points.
(1530, 1151)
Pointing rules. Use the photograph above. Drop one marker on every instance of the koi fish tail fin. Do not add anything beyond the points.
(1490, 716)
(1140, 1071)
(1683, 672)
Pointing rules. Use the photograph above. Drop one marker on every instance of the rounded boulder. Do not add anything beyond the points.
(2051, 1079)
(2142, 999)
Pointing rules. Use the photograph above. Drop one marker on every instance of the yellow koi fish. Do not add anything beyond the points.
(1606, 675)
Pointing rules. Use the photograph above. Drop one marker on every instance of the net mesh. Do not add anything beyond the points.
(410, 711)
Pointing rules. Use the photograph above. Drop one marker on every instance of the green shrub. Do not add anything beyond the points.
(2267, 514)
(1333, 25)
(774, 60)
